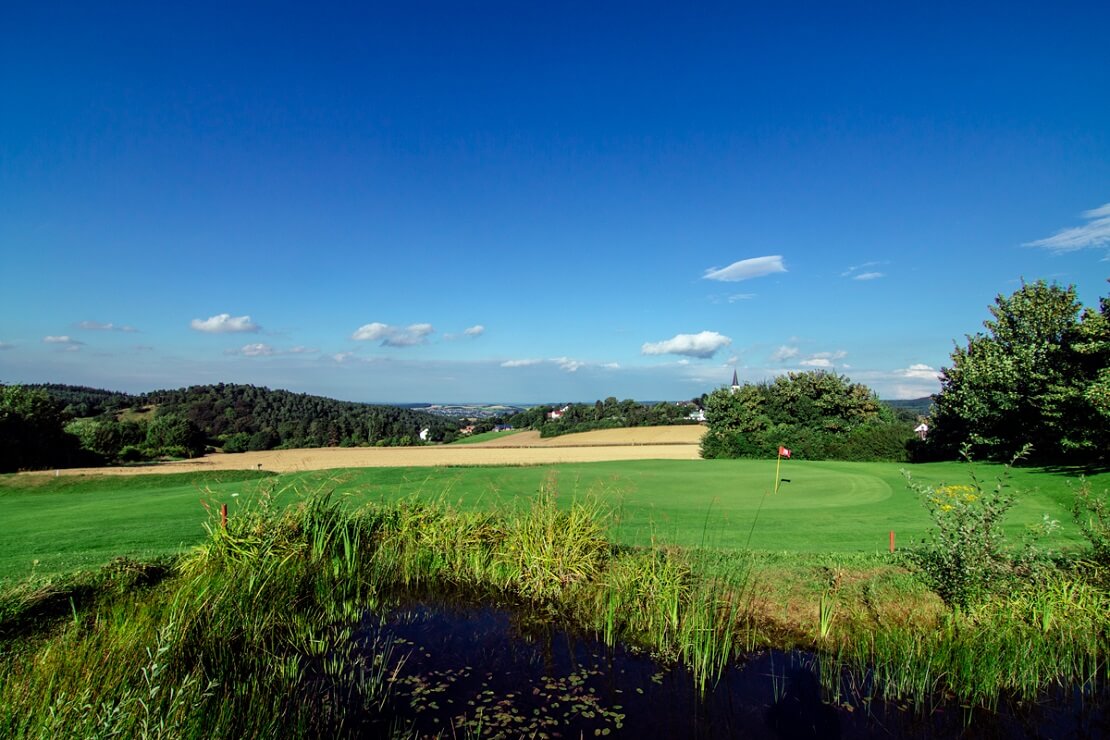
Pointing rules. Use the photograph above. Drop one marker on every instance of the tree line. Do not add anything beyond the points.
(1037, 380)
(602, 414)
(63, 426)
(817, 415)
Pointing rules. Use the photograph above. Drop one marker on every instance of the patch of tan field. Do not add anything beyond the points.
(646, 443)
(689, 434)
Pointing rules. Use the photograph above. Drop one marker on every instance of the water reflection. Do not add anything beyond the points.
(495, 672)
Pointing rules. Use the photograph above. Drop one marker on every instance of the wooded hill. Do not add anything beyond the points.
(253, 417)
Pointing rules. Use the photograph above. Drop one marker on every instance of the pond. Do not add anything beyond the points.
(488, 671)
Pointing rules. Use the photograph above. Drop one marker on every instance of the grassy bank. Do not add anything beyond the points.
(249, 633)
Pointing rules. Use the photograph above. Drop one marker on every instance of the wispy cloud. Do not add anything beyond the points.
(1095, 233)
(746, 269)
(253, 350)
(64, 341)
(101, 326)
(225, 323)
(393, 336)
(823, 359)
(703, 344)
(6, 345)
(472, 332)
(520, 363)
(784, 353)
(567, 364)
(918, 372)
(342, 357)
(864, 272)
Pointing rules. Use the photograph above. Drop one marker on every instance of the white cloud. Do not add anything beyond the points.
(746, 269)
(1094, 233)
(611, 365)
(342, 357)
(520, 363)
(740, 297)
(393, 336)
(918, 372)
(567, 364)
(253, 350)
(854, 268)
(65, 339)
(703, 344)
(371, 332)
(299, 350)
(868, 276)
(784, 353)
(100, 326)
(823, 359)
(225, 323)
(475, 331)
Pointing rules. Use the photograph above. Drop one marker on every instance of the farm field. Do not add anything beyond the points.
(525, 448)
(73, 522)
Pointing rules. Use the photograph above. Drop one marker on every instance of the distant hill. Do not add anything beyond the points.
(914, 406)
(81, 401)
(270, 418)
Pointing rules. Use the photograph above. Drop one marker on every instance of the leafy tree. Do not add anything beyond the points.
(816, 414)
(1038, 376)
(172, 434)
(31, 431)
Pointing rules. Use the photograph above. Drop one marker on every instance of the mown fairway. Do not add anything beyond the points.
(73, 522)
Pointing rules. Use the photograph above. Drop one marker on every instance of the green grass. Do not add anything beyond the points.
(78, 522)
(485, 437)
(58, 525)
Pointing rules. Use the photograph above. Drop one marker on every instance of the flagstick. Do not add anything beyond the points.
(778, 463)
(762, 499)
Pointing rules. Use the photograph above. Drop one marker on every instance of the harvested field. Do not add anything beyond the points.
(526, 448)
(689, 434)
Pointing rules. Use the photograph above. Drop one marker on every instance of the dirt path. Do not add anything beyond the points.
(526, 448)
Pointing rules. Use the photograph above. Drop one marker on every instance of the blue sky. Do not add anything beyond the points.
(518, 202)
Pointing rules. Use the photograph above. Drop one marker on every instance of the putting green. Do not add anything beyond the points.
(72, 522)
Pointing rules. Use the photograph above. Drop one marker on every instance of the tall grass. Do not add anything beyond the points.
(253, 632)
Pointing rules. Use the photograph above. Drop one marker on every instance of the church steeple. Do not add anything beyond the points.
(735, 381)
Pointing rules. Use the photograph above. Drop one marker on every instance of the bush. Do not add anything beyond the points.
(964, 559)
(237, 442)
(1092, 513)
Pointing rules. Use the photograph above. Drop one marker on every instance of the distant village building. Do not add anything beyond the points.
(503, 428)
(735, 382)
(468, 429)
(698, 415)
(922, 430)
(557, 413)
(424, 434)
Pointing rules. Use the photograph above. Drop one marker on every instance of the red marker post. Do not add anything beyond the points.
(223, 517)
(892, 540)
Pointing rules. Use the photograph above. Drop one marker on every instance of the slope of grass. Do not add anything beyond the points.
(55, 525)
(485, 437)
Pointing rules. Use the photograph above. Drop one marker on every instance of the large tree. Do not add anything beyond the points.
(1038, 376)
(31, 433)
(816, 414)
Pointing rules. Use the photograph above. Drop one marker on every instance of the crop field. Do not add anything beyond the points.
(525, 448)
(56, 524)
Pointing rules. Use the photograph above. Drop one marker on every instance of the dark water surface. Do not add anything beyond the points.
(479, 671)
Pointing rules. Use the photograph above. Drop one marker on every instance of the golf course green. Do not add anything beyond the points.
(54, 525)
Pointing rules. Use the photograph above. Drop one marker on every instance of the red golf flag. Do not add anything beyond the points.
(783, 452)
